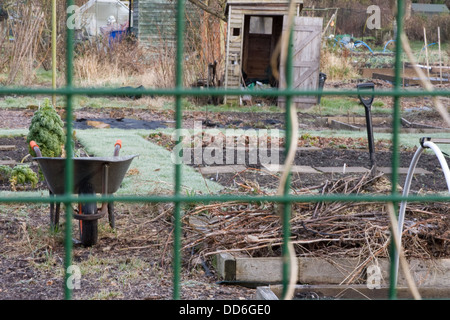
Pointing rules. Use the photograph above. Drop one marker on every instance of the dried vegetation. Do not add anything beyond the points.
(355, 229)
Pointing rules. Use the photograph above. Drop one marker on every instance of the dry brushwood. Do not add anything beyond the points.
(358, 229)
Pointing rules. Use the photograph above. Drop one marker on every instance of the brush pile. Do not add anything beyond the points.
(351, 229)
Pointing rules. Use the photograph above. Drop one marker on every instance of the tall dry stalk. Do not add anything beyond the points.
(162, 60)
(100, 62)
(337, 64)
(4, 46)
(26, 32)
(204, 42)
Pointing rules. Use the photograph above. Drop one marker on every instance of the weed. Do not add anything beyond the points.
(22, 174)
(107, 294)
(337, 64)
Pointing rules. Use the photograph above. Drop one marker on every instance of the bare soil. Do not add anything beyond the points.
(132, 262)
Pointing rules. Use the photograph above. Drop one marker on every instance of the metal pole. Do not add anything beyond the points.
(68, 174)
(54, 51)
(440, 57)
(130, 6)
(395, 140)
(178, 124)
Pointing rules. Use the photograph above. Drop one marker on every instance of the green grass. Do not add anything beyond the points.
(44, 77)
(13, 132)
(328, 106)
(19, 102)
(235, 107)
(332, 106)
(22, 102)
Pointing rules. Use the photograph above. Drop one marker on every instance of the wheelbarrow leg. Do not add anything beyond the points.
(54, 213)
(112, 220)
(110, 205)
(111, 217)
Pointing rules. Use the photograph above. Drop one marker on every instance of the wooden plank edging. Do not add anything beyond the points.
(235, 267)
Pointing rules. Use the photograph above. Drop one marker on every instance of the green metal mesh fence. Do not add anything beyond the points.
(286, 199)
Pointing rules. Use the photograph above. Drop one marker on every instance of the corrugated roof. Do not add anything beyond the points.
(432, 8)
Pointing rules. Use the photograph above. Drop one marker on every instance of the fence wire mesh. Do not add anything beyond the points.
(179, 91)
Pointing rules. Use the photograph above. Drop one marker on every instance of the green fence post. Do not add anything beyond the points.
(177, 198)
(68, 186)
(178, 125)
(395, 140)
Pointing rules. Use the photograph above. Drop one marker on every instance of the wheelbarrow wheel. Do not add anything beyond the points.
(88, 228)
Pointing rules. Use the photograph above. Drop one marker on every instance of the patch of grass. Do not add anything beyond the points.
(190, 106)
(337, 64)
(22, 102)
(44, 76)
(106, 294)
(19, 102)
(378, 104)
(13, 133)
(94, 265)
(336, 106)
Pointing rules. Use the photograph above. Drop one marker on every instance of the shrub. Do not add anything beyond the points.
(337, 64)
(22, 174)
(5, 173)
(47, 130)
(414, 27)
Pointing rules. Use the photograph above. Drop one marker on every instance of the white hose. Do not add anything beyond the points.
(409, 176)
(443, 162)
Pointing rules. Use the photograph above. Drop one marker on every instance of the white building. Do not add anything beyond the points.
(97, 17)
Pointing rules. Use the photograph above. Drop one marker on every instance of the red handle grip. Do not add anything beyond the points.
(33, 144)
(117, 147)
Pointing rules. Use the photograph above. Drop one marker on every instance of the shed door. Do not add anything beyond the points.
(307, 34)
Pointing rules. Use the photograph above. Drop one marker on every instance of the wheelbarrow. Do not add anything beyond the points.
(92, 175)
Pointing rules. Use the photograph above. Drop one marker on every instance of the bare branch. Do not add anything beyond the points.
(215, 12)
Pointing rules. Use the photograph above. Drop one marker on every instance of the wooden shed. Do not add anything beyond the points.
(154, 22)
(428, 9)
(254, 28)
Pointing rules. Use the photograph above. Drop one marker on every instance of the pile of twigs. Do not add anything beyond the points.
(358, 229)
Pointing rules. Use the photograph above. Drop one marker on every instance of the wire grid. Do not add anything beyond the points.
(177, 198)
